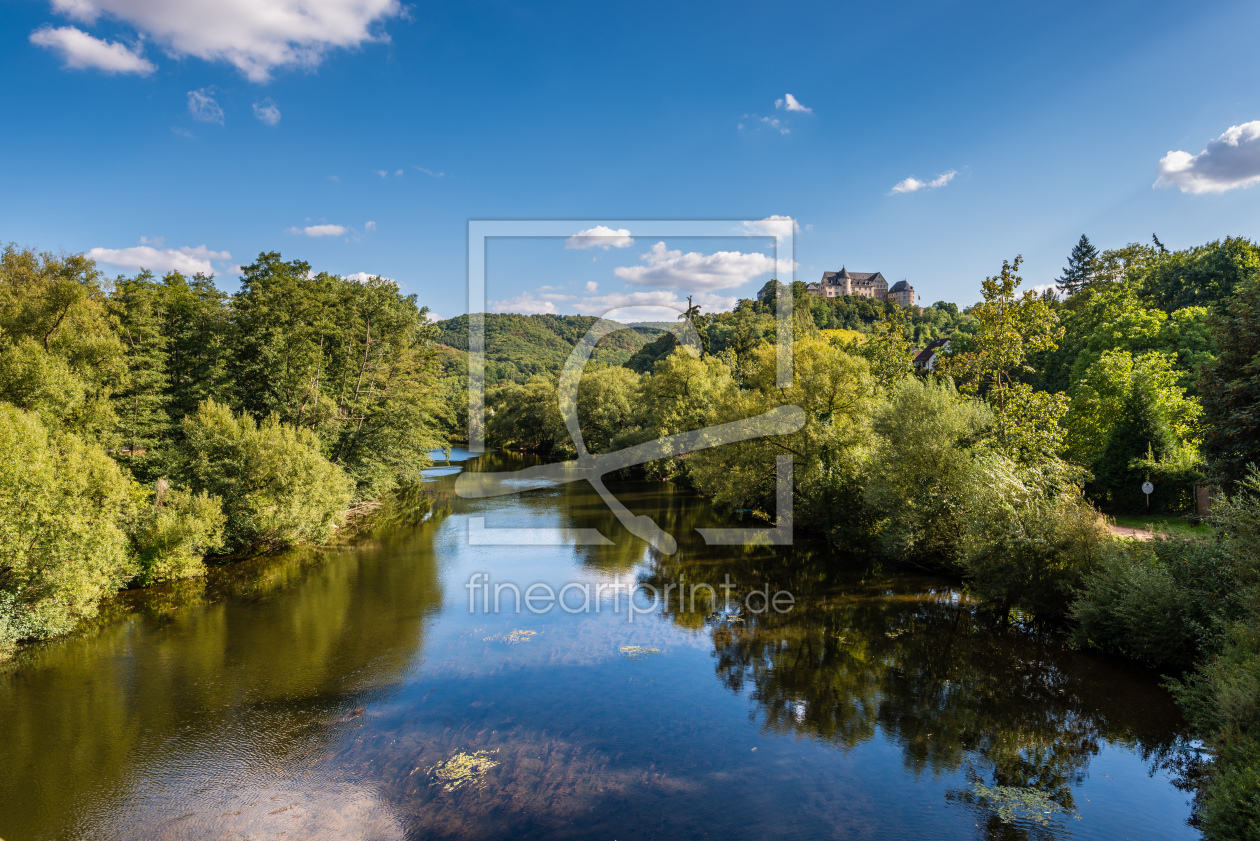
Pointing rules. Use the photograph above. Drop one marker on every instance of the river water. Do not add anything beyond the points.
(352, 694)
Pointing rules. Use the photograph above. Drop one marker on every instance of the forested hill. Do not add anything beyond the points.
(521, 346)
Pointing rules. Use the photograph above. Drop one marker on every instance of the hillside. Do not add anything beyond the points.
(521, 346)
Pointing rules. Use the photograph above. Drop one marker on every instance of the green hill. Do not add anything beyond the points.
(521, 346)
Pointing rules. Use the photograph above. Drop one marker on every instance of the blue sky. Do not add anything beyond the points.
(206, 132)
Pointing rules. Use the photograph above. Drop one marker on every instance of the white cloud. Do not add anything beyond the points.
(431, 172)
(639, 306)
(591, 286)
(184, 260)
(1231, 160)
(601, 236)
(203, 107)
(913, 185)
(267, 112)
(789, 102)
(255, 36)
(320, 230)
(698, 272)
(80, 51)
(525, 304)
(770, 226)
(370, 226)
(382, 173)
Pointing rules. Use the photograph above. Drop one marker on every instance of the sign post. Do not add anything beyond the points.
(1148, 489)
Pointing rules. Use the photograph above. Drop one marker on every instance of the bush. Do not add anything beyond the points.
(174, 536)
(277, 488)
(63, 539)
(1029, 538)
(1164, 603)
(923, 467)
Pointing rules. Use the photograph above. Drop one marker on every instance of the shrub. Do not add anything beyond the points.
(277, 488)
(1164, 603)
(63, 539)
(922, 468)
(1029, 538)
(177, 532)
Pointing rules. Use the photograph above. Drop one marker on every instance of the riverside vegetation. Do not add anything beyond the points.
(148, 423)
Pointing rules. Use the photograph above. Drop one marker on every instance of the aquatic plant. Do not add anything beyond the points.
(463, 769)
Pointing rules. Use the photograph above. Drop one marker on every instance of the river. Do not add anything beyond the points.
(353, 694)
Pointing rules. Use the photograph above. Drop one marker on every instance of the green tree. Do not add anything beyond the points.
(1231, 387)
(64, 539)
(140, 399)
(921, 468)
(198, 325)
(1080, 268)
(1010, 329)
(277, 488)
(174, 534)
(888, 349)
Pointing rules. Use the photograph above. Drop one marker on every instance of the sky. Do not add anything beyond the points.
(927, 141)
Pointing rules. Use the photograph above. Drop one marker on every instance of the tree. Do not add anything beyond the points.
(888, 350)
(1079, 271)
(64, 537)
(1231, 387)
(1010, 329)
(277, 488)
(140, 400)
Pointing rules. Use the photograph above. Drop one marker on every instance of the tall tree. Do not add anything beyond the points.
(140, 401)
(1231, 387)
(1010, 329)
(198, 320)
(1080, 268)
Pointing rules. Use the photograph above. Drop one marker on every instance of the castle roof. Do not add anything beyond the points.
(900, 286)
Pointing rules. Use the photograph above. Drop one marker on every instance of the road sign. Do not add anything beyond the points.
(1148, 488)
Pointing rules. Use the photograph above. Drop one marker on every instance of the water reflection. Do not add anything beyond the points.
(249, 675)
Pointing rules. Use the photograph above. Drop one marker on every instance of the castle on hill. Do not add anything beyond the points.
(866, 284)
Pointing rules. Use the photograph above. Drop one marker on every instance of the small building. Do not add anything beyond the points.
(925, 360)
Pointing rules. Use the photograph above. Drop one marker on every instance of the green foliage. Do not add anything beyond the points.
(1010, 329)
(1231, 389)
(1206, 276)
(923, 467)
(173, 536)
(1082, 264)
(836, 391)
(519, 347)
(1163, 602)
(277, 488)
(1029, 537)
(140, 400)
(63, 539)
(1130, 421)
(888, 350)
(527, 417)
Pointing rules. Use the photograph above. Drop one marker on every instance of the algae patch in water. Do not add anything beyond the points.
(463, 769)
(513, 638)
(1012, 803)
(638, 652)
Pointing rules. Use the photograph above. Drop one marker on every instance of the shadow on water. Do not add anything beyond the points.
(352, 694)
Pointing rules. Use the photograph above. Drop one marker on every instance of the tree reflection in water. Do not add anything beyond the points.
(868, 652)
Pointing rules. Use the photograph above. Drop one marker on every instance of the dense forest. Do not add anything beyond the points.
(147, 423)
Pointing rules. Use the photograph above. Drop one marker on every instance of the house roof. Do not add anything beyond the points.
(924, 356)
(901, 286)
(857, 277)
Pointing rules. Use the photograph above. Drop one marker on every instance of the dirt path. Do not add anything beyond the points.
(1132, 534)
